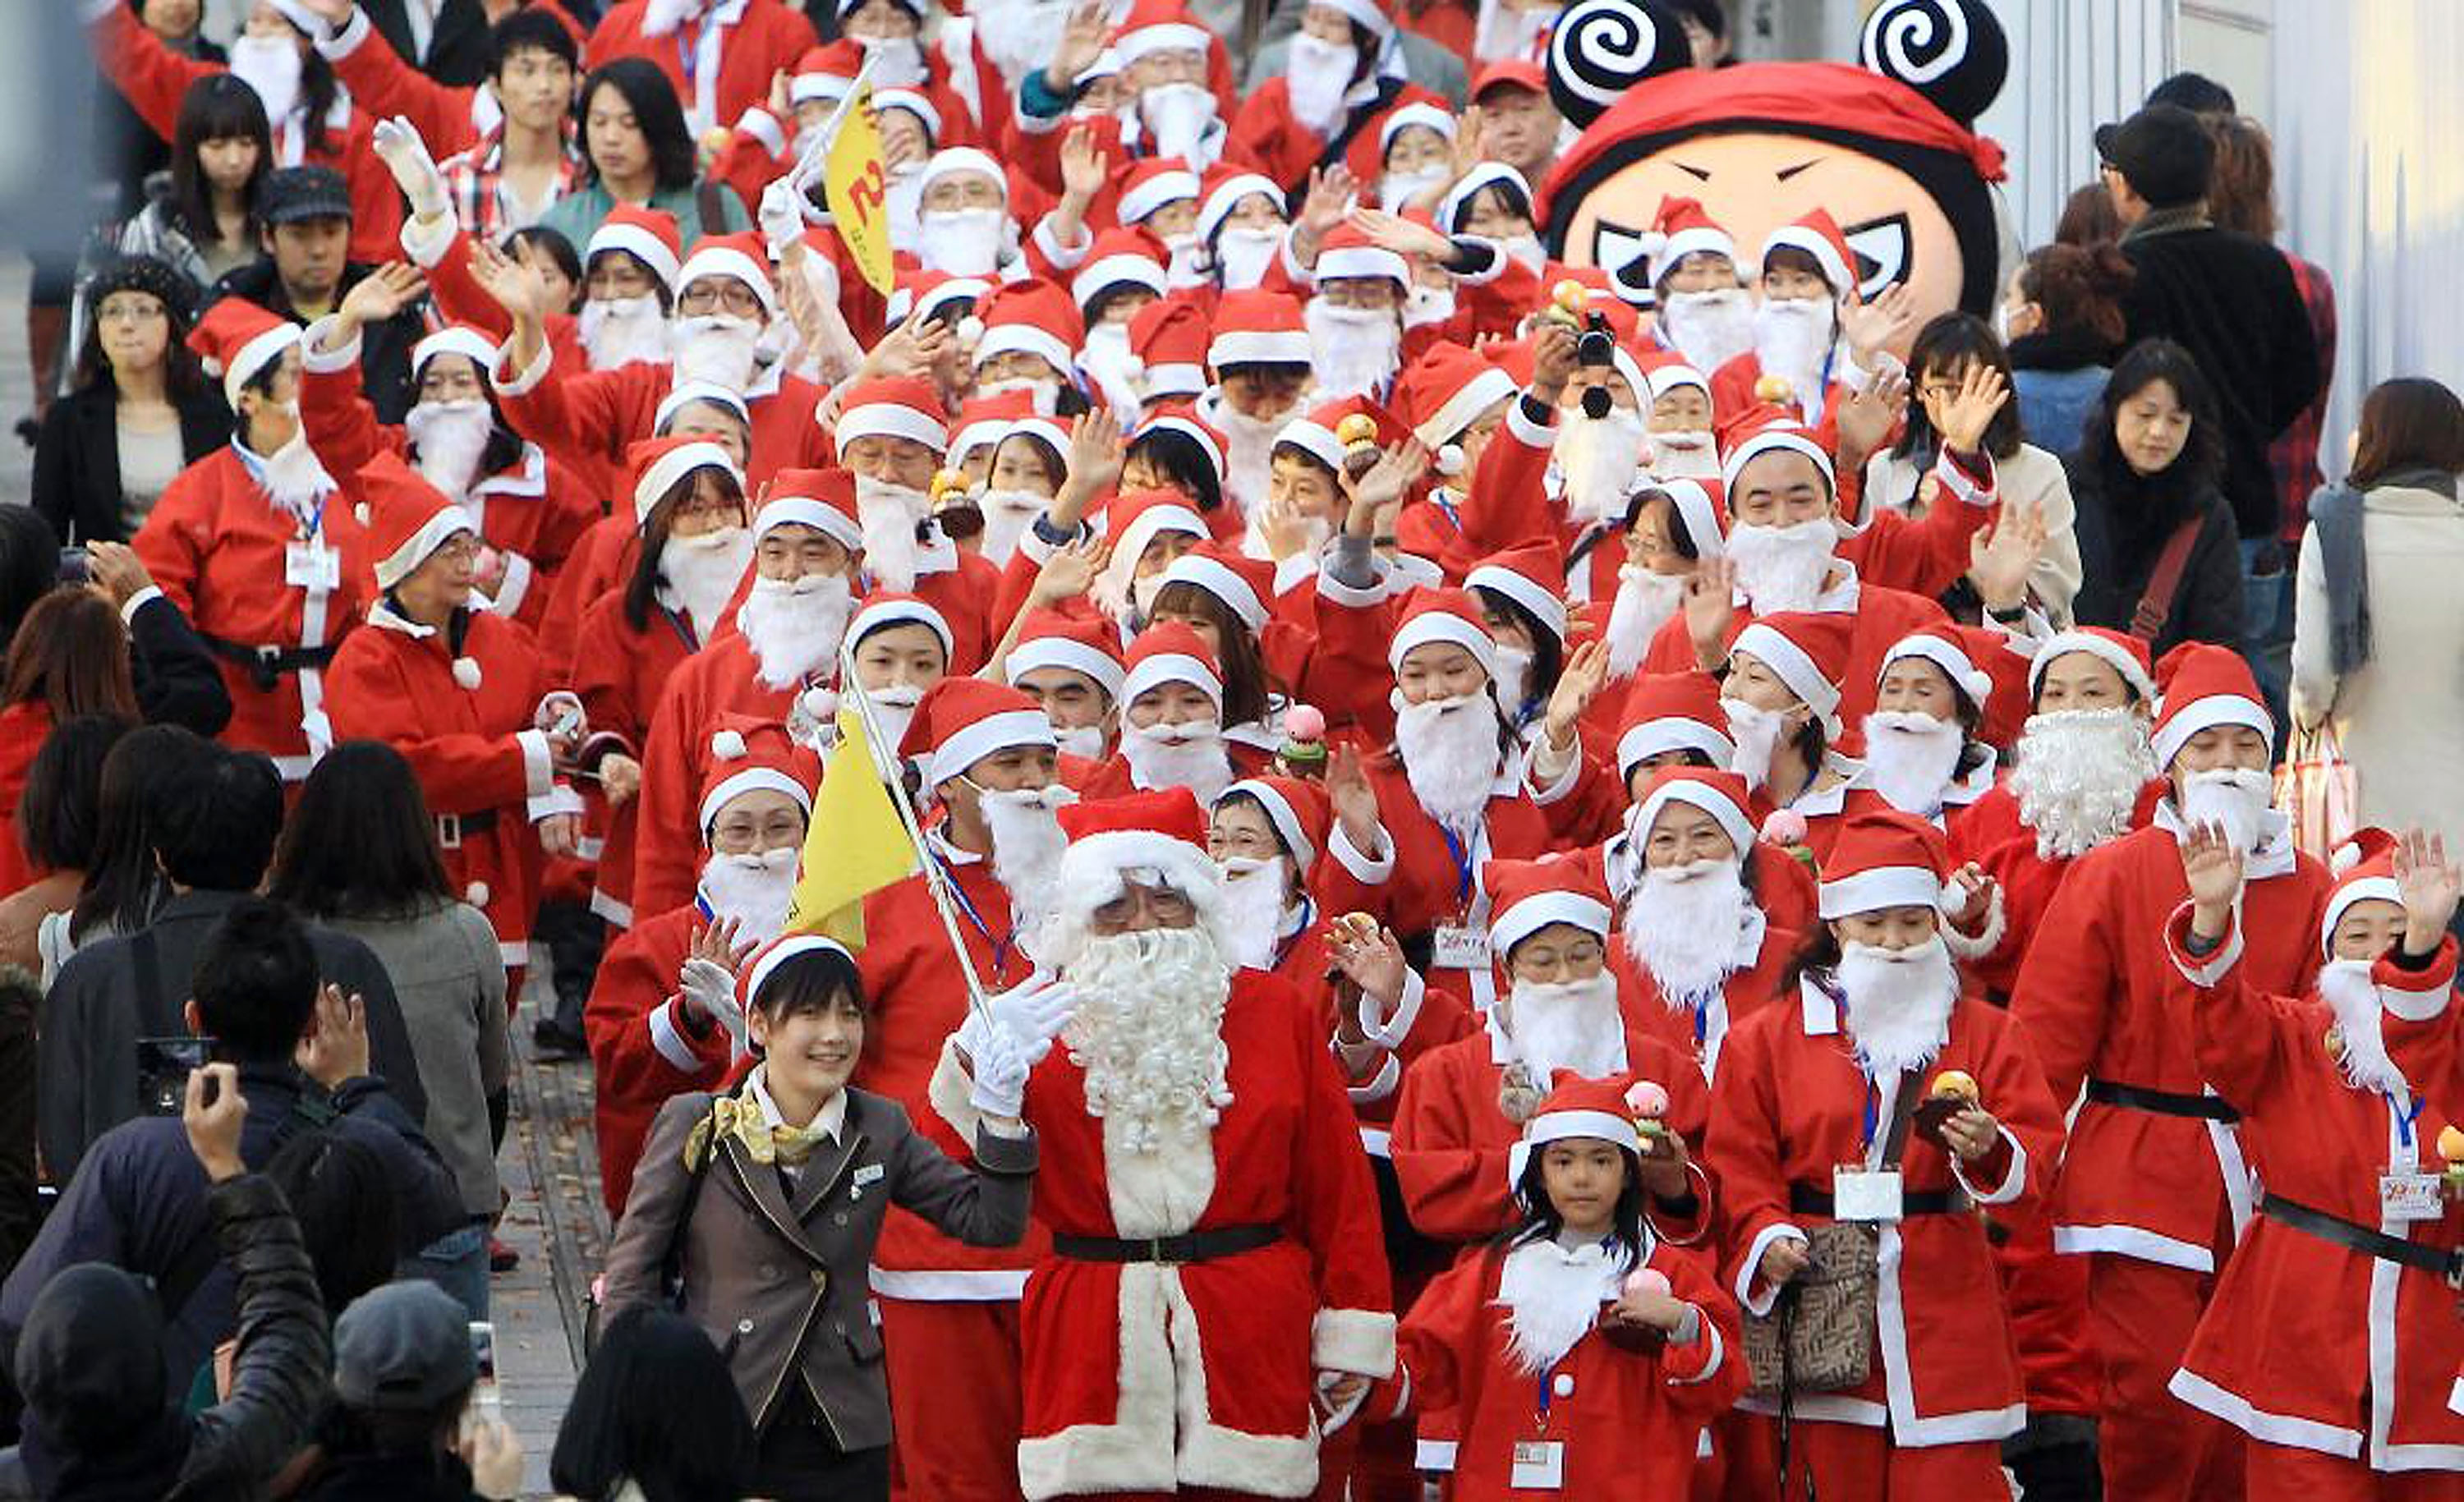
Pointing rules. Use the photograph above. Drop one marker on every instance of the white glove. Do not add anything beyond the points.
(413, 169)
(306, 18)
(709, 989)
(1034, 1013)
(782, 217)
(1000, 1084)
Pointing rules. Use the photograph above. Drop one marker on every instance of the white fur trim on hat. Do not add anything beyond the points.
(260, 352)
(1795, 668)
(1090, 873)
(1281, 814)
(639, 243)
(1696, 512)
(914, 103)
(818, 88)
(1368, 12)
(726, 260)
(1043, 430)
(1174, 380)
(1258, 347)
(1524, 592)
(894, 419)
(972, 742)
(782, 953)
(1470, 399)
(1148, 525)
(1113, 270)
(1361, 260)
(710, 391)
(1798, 237)
(1733, 820)
(1399, 120)
(961, 159)
(881, 615)
(1163, 188)
(673, 466)
(1173, 423)
(1036, 653)
(457, 339)
(1954, 663)
(781, 510)
(1658, 737)
(748, 780)
(1025, 338)
(1482, 175)
(1686, 242)
(1443, 625)
(2061, 644)
(1227, 196)
(1771, 440)
(2175, 728)
(904, 301)
(2369, 888)
(432, 534)
(1171, 668)
(1665, 379)
(1173, 38)
(1224, 583)
(1314, 439)
(1870, 891)
(1511, 926)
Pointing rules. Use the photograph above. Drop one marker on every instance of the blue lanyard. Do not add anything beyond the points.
(1873, 1113)
(1703, 1033)
(976, 920)
(2404, 1118)
(1461, 858)
(688, 58)
(1309, 920)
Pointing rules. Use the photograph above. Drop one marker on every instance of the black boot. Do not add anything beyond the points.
(2055, 1459)
(575, 936)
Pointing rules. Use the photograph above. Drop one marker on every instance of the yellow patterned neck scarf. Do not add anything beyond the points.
(741, 1118)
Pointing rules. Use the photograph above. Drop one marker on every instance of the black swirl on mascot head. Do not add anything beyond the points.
(1952, 52)
(1602, 48)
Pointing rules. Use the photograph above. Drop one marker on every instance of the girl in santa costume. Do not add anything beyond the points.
(260, 546)
(1815, 341)
(1313, 646)
(1924, 754)
(1810, 1125)
(1781, 699)
(1172, 721)
(2332, 1338)
(1628, 1343)
(460, 692)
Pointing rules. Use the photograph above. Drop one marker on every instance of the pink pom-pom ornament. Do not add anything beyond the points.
(1647, 1280)
(1646, 1099)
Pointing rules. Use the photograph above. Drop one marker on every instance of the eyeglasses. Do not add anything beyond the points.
(703, 299)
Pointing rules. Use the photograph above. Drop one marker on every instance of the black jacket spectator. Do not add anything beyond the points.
(2116, 562)
(176, 679)
(77, 458)
(458, 47)
(385, 353)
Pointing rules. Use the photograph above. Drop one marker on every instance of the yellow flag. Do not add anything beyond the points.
(856, 845)
(858, 190)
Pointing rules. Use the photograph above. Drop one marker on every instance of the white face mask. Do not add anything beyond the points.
(1396, 190)
(1319, 73)
(962, 242)
(1180, 115)
(718, 348)
(1782, 568)
(1241, 255)
(450, 437)
(271, 66)
(617, 331)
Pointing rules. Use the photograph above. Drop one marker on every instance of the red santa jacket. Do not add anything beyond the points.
(1268, 133)
(1883, 618)
(1421, 1022)
(485, 773)
(1787, 1108)
(1732, 393)
(217, 544)
(1631, 1422)
(641, 1051)
(602, 413)
(2307, 1342)
(1990, 832)
(762, 38)
(24, 726)
(2093, 993)
(620, 672)
(601, 562)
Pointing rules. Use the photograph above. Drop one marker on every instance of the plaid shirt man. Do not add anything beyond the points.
(2293, 457)
(474, 181)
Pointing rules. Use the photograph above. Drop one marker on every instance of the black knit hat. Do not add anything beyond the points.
(151, 276)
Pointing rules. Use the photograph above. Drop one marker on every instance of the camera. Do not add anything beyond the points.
(77, 566)
(1595, 348)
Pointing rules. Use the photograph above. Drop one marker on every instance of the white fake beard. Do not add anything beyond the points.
(1899, 1003)
(1504, 33)
(1185, 268)
(889, 515)
(1645, 601)
(1782, 568)
(1910, 756)
(1043, 394)
(618, 331)
(703, 572)
(1756, 733)
(1187, 756)
(897, 61)
(449, 438)
(2077, 775)
(904, 202)
(1527, 249)
(1396, 190)
(1254, 908)
(1673, 926)
(1178, 116)
(1449, 749)
(755, 890)
(295, 476)
(2346, 987)
(1019, 35)
(1241, 256)
(1084, 742)
(1708, 328)
(1319, 75)
(1148, 1033)
(2236, 798)
(1567, 1025)
(271, 66)
(1355, 350)
(962, 242)
(1024, 824)
(794, 625)
(1553, 1296)
(1685, 454)
(1598, 459)
(1007, 516)
(716, 347)
(1791, 339)
(1248, 455)
(1512, 680)
(1108, 358)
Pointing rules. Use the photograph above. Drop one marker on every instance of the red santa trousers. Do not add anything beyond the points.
(2283, 1474)
(1859, 1462)
(954, 1399)
(2154, 1447)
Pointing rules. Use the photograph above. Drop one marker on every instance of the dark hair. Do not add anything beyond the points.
(1819, 953)
(1548, 653)
(217, 107)
(59, 815)
(360, 843)
(2241, 189)
(2194, 91)
(814, 981)
(213, 817)
(1249, 687)
(2088, 217)
(656, 114)
(122, 884)
(1054, 467)
(2410, 423)
(320, 90)
(654, 1406)
(1186, 465)
(1947, 344)
(71, 654)
(1791, 258)
(2145, 509)
(531, 28)
(255, 982)
(552, 244)
(1680, 540)
(349, 1213)
(1540, 1221)
(1510, 198)
(2079, 288)
(642, 589)
(30, 565)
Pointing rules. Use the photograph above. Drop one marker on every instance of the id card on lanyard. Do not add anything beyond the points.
(1460, 945)
(307, 562)
(2407, 1194)
(1859, 1192)
(1540, 1462)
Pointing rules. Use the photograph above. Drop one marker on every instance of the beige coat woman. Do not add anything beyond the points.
(2030, 478)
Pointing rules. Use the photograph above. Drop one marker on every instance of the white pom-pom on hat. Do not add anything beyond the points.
(820, 703)
(727, 744)
(2344, 858)
(1451, 460)
(466, 672)
(970, 329)
(476, 894)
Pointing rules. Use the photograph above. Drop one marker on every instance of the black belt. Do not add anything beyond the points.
(453, 829)
(2162, 1102)
(2448, 1265)
(266, 664)
(1804, 1199)
(1197, 1246)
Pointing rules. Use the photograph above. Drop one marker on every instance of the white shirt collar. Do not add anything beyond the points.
(832, 1116)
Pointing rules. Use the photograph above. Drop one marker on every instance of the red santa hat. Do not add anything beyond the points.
(1368, 14)
(1578, 1109)
(738, 255)
(1150, 184)
(1883, 860)
(1168, 652)
(960, 721)
(1684, 228)
(1135, 518)
(747, 753)
(916, 102)
(822, 499)
(1046, 431)
(1158, 26)
(823, 75)
(1421, 113)
(1129, 257)
(648, 235)
(1244, 585)
(984, 420)
(1317, 432)
(1442, 615)
(1781, 436)
(900, 407)
(660, 463)
(2364, 867)
(920, 292)
(1031, 317)
(1953, 650)
(1534, 577)
(1527, 896)
(1224, 195)
(1721, 794)
(1299, 809)
(1162, 832)
(1704, 519)
(1453, 207)
(1808, 649)
(951, 161)
(2205, 686)
(236, 341)
(1442, 393)
(2125, 654)
(455, 338)
(1671, 712)
(1255, 327)
(1347, 252)
(882, 611)
(1817, 234)
(408, 518)
(1169, 338)
(1184, 420)
(1080, 644)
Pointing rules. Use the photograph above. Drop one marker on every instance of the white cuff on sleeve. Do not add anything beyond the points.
(1530, 434)
(2013, 1181)
(1391, 1033)
(1064, 258)
(346, 41)
(763, 126)
(317, 361)
(2414, 1005)
(2210, 972)
(538, 763)
(425, 241)
(668, 1039)
(1377, 1086)
(558, 799)
(138, 602)
(524, 383)
(1366, 871)
(1955, 481)
(1750, 1271)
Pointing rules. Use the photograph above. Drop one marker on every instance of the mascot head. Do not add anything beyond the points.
(1885, 147)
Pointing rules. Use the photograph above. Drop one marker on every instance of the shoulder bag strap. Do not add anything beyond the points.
(1904, 1112)
(2156, 604)
(708, 208)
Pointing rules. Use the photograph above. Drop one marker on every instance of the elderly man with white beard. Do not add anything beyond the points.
(1703, 312)
(892, 435)
(1214, 1222)
(2153, 1181)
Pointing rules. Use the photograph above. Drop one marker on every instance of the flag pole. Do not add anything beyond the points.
(935, 880)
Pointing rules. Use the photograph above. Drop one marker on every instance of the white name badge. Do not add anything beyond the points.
(1539, 1465)
(1865, 1194)
(312, 566)
(2410, 1197)
(1458, 949)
